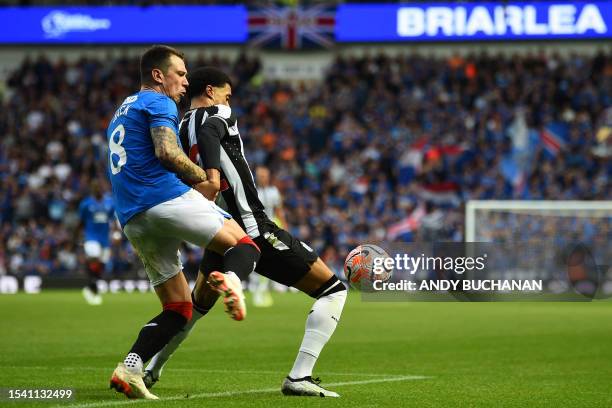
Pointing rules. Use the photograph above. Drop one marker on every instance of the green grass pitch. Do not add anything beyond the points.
(382, 355)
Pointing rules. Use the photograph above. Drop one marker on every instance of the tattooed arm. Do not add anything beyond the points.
(172, 157)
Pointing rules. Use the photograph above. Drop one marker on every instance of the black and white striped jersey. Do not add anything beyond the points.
(210, 137)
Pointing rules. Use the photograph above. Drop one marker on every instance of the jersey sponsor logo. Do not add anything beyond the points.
(275, 242)
(100, 217)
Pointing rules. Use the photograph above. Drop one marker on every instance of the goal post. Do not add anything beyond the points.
(564, 243)
(477, 211)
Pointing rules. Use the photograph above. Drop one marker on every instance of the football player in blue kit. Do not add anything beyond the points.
(159, 200)
(97, 214)
(209, 134)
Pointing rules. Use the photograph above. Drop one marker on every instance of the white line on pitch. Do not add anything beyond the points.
(205, 370)
(235, 393)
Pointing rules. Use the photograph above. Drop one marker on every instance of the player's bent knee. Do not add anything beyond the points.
(185, 309)
(333, 285)
(246, 240)
(222, 241)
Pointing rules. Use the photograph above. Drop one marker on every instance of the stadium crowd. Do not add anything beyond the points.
(384, 148)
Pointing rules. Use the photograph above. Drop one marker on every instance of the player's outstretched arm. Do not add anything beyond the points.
(172, 157)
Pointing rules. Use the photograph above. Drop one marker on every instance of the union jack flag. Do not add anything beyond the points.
(292, 27)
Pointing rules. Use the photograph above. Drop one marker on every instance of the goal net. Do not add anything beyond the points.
(545, 239)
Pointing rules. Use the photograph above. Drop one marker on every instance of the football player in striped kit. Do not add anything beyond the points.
(209, 135)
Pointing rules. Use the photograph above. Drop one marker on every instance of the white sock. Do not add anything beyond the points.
(133, 363)
(159, 360)
(303, 365)
(320, 326)
(264, 284)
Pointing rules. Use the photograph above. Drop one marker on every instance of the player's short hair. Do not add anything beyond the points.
(200, 78)
(158, 56)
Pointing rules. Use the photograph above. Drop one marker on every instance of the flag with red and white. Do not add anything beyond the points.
(407, 225)
(444, 193)
(292, 27)
(553, 137)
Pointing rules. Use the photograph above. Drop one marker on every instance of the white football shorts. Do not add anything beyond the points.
(95, 250)
(157, 233)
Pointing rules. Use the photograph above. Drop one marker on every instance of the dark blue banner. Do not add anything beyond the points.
(291, 27)
(113, 25)
(473, 21)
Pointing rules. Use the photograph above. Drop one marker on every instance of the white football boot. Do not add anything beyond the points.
(306, 387)
(129, 384)
(90, 297)
(229, 287)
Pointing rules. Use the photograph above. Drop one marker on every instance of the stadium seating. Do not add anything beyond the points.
(383, 148)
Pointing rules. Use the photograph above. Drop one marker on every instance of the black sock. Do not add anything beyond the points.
(93, 286)
(202, 309)
(241, 259)
(94, 270)
(157, 333)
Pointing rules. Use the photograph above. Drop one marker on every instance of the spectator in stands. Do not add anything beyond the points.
(389, 148)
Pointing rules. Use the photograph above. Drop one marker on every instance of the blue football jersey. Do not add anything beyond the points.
(139, 180)
(97, 216)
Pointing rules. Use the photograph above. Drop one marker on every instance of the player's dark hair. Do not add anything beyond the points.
(200, 78)
(158, 56)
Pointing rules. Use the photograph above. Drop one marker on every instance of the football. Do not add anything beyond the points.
(364, 265)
